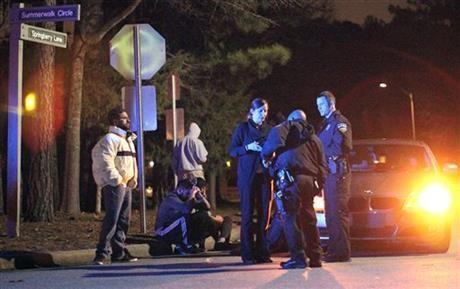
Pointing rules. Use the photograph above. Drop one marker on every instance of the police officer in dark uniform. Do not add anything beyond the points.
(335, 134)
(253, 181)
(298, 165)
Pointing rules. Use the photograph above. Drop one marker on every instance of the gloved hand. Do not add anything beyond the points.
(254, 146)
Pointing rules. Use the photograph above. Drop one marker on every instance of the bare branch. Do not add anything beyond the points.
(95, 38)
(246, 9)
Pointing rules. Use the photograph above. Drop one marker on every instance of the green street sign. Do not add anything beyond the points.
(44, 36)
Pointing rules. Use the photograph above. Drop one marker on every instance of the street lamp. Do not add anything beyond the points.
(412, 107)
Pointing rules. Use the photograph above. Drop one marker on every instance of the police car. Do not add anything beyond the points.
(397, 195)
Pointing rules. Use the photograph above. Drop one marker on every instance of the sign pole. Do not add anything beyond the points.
(19, 32)
(173, 90)
(13, 171)
(140, 131)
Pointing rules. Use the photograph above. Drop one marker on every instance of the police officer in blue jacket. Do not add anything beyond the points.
(335, 134)
(253, 181)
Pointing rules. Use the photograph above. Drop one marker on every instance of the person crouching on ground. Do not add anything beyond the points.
(206, 224)
(173, 223)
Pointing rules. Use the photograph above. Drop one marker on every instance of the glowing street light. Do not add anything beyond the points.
(412, 107)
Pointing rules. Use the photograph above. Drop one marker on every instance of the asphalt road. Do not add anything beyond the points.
(371, 271)
(367, 270)
(421, 271)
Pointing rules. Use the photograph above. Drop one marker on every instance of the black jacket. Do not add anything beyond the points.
(297, 148)
(248, 161)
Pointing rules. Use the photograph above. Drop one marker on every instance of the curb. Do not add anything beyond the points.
(10, 260)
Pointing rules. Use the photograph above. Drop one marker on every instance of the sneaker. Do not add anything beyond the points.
(187, 250)
(293, 264)
(127, 257)
(223, 246)
(99, 260)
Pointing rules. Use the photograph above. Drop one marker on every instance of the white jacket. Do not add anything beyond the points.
(114, 159)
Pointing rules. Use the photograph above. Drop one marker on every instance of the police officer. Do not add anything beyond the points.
(299, 162)
(335, 134)
(253, 181)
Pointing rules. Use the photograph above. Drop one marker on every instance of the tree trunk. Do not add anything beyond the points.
(71, 202)
(1, 185)
(90, 34)
(212, 188)
(97, 210)
(43, 162)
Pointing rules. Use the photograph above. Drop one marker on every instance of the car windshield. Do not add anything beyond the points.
(371, 158)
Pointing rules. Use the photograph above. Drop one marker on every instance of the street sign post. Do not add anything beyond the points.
(44, 36)
(137, 52)
(18, 32)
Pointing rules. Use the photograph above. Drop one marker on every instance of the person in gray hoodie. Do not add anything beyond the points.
(189, 155)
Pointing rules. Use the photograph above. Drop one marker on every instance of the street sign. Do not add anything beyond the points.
(170, 124)
(48, 13)
(149, 106)
(44, 36)
(152, 51)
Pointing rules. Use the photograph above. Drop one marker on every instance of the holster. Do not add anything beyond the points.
(283, 179)
(338, 165)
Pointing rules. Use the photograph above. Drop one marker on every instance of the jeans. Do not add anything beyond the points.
(117, 202)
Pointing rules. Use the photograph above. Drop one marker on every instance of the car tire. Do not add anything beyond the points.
(441, 243)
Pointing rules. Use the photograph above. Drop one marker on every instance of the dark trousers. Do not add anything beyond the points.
(175, 233)
(299, 223)
(117, 202)
(255, 194)
(337, 195)
(202, 226)
(225, 229)
(287, 224)
(307, 218)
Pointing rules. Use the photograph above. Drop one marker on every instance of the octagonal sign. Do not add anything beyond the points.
(152, 51)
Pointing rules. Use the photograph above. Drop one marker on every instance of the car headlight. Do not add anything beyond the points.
(434, 198)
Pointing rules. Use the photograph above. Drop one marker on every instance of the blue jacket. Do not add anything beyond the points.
(335, 134)
(249, 162)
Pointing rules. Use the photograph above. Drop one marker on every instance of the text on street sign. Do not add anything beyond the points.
(49, 13)
(44, 36)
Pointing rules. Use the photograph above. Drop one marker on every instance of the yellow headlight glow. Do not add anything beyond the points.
(434, 198)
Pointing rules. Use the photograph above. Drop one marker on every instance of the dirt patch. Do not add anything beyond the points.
(64, 233)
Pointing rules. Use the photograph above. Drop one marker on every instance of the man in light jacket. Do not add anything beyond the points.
(189, 155)
(115, 171)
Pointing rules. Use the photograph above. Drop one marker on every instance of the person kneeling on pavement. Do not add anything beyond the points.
(219, 227)
(176, 225)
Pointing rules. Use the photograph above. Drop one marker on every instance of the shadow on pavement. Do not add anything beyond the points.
(172, 269)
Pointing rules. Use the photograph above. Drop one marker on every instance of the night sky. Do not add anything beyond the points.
(357, 10)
